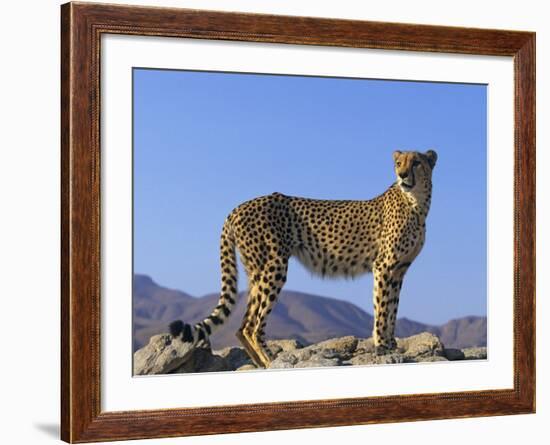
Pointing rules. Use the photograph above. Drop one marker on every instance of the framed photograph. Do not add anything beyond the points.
(274, 222)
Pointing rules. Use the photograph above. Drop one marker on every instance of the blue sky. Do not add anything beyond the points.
(205, 142)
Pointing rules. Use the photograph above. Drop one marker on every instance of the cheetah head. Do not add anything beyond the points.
(413, 168)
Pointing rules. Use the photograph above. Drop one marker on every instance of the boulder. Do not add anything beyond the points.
(340, 346)
(203, 360)
(161, 355)
(420, 346)
(247, 367)
(479, 353)
(454, 354)
(370, 358)
(319, 361)
(365, 345)
(435, 358)
(287, 359)
(236, 357)
(277, 346)
(326, 353)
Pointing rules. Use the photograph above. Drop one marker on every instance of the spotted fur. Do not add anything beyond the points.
(330, 238)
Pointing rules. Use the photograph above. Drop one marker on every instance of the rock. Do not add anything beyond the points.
(236, 357)
(161, 355)
(343, 345)
(247, 367)
(454, 354)
(435, 358)
(277, 346)
(286, 360)
(326, 353)
(424, 347)
(479, 353)
(341, 348)
(365, 345)
(203, 360)
(373, 359)
(318, 362)
(420, 345)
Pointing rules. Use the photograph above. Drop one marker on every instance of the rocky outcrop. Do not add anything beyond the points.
(164, 356)
(475, 353)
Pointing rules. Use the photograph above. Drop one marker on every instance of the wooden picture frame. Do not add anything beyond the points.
(82, 25)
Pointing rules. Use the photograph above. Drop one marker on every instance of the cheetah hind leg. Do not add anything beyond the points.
(261, 301)
(254, 345)
(244, 334)
(262, 350)
(275, 276)
(249, 347)
(258, 333)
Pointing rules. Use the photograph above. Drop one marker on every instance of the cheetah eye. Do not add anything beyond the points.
(398, 164)
(416, 163)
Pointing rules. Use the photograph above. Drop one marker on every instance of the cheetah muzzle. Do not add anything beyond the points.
(332, 238)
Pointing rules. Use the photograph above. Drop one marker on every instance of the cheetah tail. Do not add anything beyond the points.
(228, 298)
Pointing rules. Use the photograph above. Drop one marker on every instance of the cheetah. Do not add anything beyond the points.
(331, 238)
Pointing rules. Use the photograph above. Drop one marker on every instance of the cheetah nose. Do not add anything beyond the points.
(403, 175)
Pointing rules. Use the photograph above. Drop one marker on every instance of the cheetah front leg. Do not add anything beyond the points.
(395, 284)
(380, 324)
(387, 287)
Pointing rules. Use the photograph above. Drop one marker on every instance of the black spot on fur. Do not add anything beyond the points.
(187, 334)
(201, 335)
(230, 299)
(215, 320)
(176, 328)
(225, 310)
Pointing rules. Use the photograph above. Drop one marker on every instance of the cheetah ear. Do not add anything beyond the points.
(396, 154)
(432, 158)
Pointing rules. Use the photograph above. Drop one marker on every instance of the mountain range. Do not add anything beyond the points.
(304, 317)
